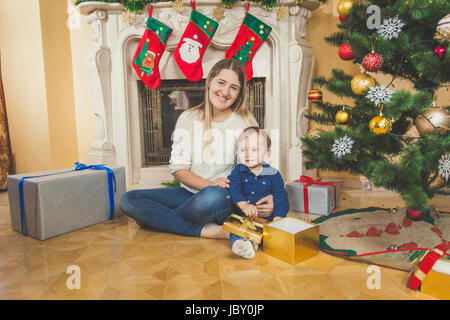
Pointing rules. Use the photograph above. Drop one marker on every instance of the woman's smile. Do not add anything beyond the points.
(223, 99)
(224, 89)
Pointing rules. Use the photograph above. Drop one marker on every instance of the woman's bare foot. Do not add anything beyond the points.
(214, 231)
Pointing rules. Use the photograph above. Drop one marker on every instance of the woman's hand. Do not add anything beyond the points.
(221, 182)
(277, 218)
(267, 208)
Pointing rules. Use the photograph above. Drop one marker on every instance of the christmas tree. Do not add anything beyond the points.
(243, 54)
(404, 40)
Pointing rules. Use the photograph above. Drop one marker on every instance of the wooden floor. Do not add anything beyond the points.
(120, 260)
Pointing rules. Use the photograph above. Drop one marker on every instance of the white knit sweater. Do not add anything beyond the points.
(187, 147)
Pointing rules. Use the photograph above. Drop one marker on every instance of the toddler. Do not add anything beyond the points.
(253, 179)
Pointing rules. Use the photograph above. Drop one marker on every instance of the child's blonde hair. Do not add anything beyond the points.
(260, 132)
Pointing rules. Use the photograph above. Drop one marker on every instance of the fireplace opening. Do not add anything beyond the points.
(161, 108)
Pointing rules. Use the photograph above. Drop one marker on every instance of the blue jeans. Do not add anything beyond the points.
(234, 237)
(178, 210)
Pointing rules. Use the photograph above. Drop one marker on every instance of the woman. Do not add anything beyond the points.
(202, 203)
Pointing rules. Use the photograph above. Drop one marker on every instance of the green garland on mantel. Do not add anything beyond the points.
(139, 5)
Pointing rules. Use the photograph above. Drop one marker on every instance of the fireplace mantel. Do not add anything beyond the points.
(285, 59)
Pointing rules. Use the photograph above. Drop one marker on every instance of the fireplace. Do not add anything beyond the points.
(129, 117)
(160, 109)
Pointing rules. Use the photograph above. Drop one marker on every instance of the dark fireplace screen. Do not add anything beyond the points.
(161, 108)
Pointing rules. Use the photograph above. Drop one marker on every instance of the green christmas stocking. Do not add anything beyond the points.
(251, 35)
(149, 52)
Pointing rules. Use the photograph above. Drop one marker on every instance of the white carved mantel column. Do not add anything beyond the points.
(301, 61)
(98, 68)
(285, 59)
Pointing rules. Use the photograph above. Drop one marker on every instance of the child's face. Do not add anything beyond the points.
(251, 150)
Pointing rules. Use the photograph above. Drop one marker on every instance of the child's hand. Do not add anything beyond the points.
(277, 218)
(250, 210)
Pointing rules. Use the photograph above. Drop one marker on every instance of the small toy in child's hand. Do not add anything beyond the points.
(251, 229)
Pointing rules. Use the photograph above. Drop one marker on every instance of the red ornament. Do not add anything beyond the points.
(373, 61)
(345, 52)
(315, 95)
(343, 18)
(415, 214)
(440, 51)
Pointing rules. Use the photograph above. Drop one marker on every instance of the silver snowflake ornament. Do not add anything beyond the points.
(444, 166)
(342, 146)
(391, 28)
(379, 94)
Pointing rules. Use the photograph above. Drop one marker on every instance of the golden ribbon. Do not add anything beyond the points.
(416, 262)
(247, 223)
(415, 269)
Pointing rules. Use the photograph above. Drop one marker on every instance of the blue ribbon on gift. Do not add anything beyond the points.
(112, 187)
(111, 182)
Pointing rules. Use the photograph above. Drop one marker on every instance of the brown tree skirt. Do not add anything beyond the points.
(379, 236)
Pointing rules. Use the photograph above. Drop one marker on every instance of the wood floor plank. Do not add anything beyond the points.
(120, 260)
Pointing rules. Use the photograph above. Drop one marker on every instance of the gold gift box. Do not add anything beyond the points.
(437, 282)
(290, 239)
(251, 229)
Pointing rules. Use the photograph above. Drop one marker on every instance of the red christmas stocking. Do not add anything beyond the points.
(149, 52)
(251, 35)
(194, 41)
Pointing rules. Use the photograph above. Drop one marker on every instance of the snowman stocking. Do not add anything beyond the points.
(149, 52)
(194, 41)
(251, 35)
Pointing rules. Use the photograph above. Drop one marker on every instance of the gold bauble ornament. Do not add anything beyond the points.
(362, 82)
(344, 7)
(433, 121)
(343, 116)
(380, 124)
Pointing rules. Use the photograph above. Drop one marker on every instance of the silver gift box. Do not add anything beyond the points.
(320, 197)
(57, 204)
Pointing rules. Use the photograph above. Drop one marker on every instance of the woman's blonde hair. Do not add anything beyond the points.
(239, 106)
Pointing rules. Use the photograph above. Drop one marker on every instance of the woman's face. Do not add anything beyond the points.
(224, 89)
